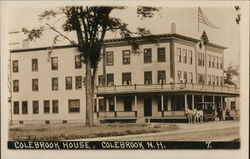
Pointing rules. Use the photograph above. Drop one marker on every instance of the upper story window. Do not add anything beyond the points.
(78, 62)
(54, 84)
(217, 80)
(55, 108)
(148, 77)
(161, 54)
(179, 76)
(74, 106)
(24, 107)
(161, 75)
(213, 80)
(178, 54)
(15, 66)
(148, 55)
(16, 107)
(209, 80)
(34, 84)
(35, 107)
(54, 63)
(15, 85)
(201, 59)
(221, 63)
(110, 58)
(201, 79)
(184, 56)
(126, 57)
(212, 61)
(101, 80)
(46, 107)
(78, 82)
(126, 78)
(190, 77)
(184, 76)
(34, 65)
(208, 61)
(190, 57)
(68, 83)
(221, 81)
(216, 62)
(110, 79)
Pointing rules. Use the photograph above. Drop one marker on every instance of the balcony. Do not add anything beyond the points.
(142, 88)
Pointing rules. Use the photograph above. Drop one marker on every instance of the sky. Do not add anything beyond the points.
(185, 18)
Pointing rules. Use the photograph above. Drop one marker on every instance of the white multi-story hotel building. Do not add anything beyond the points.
(158, 83)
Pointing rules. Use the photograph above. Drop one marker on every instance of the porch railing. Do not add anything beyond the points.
(114, 114)
(164, 87)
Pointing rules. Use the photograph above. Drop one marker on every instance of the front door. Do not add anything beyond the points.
(147, 107)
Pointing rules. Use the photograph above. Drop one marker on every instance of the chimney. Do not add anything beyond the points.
(173, 28)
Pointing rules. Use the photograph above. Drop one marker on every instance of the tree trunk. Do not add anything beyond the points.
(89, 96)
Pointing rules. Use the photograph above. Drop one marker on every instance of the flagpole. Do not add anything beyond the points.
(198, 20)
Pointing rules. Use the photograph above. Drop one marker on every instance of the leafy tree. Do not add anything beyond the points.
(229, 73)
(90, 24)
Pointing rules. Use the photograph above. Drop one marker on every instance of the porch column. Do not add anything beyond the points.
(186, 106)
(114, 103)
(97, 104)
(215, 107)
(192, 101)
(221, 103)
(136, 106)
(162, 103)
(202, 100)
(107, 104)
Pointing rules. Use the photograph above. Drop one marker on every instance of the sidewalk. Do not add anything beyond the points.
(184, 128)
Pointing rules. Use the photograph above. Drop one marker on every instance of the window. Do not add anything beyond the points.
(148, 77)
(126, 57)
(212, 61)
(178, 54)
(213, 80)
(54, 106)
(78, 62)
(165, 103)
(221, 64)
(201, 59)
(161, 55)
(102, 107)
(68, 83)
(34, 65)
(221, 81)
(126, 78)
(34, 84)
(184, 56)
(209, 80)
(190, 77)
(78, 82)
(15, 85)
(74, 106)
(148, 55)
(161, 75)
(16, 107)
(127, 104)
(101, 80)
(46, 107)
(24, 107)
(190, 57)
(216, 62)
(35, 107)
(54, 84)
(179, 75)
(217, 80)
(110, 79)
(201, 79)
(233, 105)
(54, 63)
(208, 61)
(15, 66)
(110, 58)
(111, 104)
(185, 76)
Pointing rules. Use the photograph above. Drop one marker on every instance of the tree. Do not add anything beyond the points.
(230, 73)
(90, 24)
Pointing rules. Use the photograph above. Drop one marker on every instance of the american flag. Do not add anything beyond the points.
(204, 20)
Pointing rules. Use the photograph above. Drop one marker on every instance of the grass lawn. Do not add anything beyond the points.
(78, 131)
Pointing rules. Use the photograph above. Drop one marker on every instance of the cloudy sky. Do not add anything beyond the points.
(186, 19)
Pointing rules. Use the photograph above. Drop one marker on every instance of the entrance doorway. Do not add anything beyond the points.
(147, 107)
